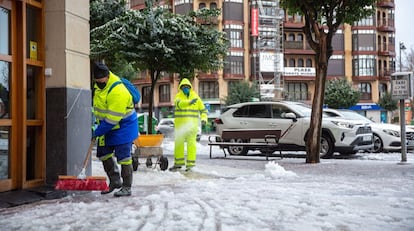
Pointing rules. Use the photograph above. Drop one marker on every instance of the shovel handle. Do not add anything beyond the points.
(88, 155)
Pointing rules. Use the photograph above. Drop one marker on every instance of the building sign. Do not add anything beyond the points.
(267, 90)
(299, 71)
(366, 107)
(401, 85)
(271, 62)
(255, 22)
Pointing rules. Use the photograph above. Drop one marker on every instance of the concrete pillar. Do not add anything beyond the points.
(68, 94)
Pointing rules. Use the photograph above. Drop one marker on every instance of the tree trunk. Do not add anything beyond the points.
(313, 140)
(154, 77)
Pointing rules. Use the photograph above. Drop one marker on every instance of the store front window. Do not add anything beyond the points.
(5, 76)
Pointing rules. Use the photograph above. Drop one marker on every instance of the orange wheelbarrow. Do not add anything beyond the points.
(149, 146)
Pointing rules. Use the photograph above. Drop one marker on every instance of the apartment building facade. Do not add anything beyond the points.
(269, 48)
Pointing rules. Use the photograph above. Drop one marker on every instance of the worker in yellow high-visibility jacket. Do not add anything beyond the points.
(117, 128)
(189, 109)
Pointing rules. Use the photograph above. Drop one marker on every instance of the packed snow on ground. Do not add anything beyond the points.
(368, 192)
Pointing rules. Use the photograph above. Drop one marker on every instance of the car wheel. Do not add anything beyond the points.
(378, 145)
(237, 150)
(326, 147)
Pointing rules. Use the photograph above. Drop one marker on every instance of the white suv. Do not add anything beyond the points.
(293, 119)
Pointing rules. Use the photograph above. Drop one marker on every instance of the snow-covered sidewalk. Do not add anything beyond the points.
(371, 192)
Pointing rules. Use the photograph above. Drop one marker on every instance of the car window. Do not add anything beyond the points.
(331, 114)
(241, 112)
(279, 111)
(259, 111)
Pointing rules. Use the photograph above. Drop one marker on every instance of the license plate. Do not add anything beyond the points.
(367, 138)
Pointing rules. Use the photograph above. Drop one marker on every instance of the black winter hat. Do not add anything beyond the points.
(100, 70)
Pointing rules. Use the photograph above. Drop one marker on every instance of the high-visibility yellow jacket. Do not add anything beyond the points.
(115, 113)
(185, 113)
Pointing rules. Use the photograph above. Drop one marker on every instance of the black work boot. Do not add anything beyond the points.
(112, 171)
(126, 173)
(175, 168)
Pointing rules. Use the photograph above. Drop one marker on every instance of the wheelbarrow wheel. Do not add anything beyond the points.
(148, 163)
(163, 163)
(135, 164)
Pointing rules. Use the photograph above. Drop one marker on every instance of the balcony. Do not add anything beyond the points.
(386, 4)
(208, 21)
(137, 4)
(294, 45)
(366, 96)
(208, 76)
(228, 76)
(384, 75)
(386, 26)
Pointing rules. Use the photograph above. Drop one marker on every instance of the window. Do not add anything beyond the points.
(365, 89)
(32, 33)
(209, 90)
(254, 111)
(364, 65)
(259, 111)
(4, 31)
(201, 5)
(291, 37)
(363, 40)
(33, 91)
(164, 93)
(234, 64)
(308, 62)
(336, 66)
(379, 43)
(368, 21)
(382, 89)
(145, 94)
(236, 38)
(300, 63)
(235, 34)
(279, 111)
(5, 74)
(292, 63)
(296, 91)
(213, 5)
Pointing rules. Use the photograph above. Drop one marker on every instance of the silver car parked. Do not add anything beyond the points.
(293, 119)
(386, 136)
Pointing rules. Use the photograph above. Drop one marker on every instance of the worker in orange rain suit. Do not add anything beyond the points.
(117, 128)
(188, 110)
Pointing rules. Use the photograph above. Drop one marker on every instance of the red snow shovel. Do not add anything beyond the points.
(82, 182)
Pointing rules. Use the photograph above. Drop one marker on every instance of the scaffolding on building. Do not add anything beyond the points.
(268, 48)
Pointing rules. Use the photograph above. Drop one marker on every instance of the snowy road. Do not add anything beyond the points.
(368, 192)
